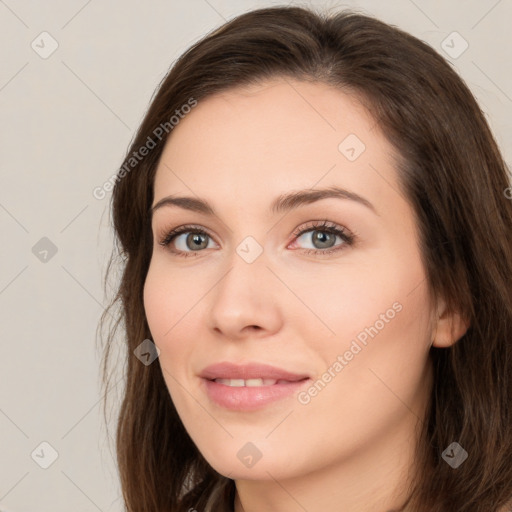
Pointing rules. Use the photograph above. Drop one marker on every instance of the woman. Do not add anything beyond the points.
(316, 289)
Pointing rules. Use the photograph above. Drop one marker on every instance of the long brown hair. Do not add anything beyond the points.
(452, 173)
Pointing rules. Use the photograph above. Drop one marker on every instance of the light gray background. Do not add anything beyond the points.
(66, 122)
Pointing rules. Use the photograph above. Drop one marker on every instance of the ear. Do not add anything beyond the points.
(449, 327)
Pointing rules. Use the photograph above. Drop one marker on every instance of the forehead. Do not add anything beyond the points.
(261, 140)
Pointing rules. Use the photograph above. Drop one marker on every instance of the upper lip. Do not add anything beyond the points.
(226, 370)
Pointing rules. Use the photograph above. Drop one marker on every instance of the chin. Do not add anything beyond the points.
(246, 463)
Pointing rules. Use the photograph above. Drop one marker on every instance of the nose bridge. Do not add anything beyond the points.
(246, 294)
(247, 278)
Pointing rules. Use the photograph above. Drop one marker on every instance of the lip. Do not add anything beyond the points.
(226, 370)
(250, 398)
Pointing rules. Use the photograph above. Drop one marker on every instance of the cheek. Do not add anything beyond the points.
(168, 299)
(381, 319)
(356, 295)
(155, 304)
(377, 313)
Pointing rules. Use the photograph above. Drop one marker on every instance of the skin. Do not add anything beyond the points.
(352, 446)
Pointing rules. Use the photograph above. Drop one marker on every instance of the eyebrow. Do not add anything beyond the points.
(283, 203)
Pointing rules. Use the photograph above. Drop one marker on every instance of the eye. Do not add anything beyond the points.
(322, 236)
(188, 240)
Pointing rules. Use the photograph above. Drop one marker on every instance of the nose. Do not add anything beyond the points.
(245, 301)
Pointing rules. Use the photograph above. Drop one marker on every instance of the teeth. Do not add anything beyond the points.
(238, 383)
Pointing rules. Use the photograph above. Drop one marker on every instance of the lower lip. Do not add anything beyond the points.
(250, 398)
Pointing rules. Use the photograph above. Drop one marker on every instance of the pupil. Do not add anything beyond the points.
(323, 237)
(196, 238)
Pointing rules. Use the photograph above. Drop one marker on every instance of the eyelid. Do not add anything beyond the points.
(165, 235)
(321, 225)
(348, 237)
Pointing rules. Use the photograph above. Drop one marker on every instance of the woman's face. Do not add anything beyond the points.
(327, 286)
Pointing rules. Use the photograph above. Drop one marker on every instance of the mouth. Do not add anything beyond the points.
(251, 383)
(249, 387)
(250, 373)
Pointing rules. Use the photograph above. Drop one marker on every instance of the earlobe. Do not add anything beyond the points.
(449, 327)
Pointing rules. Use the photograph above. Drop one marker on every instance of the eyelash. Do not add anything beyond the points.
(323, 226)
